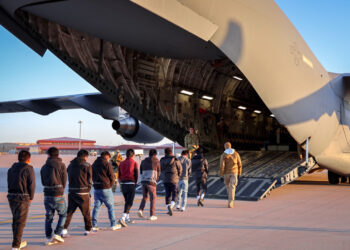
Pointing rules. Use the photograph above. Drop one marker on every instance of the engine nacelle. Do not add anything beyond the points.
(133, 130)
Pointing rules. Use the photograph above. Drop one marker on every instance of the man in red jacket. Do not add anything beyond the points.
(128, 176)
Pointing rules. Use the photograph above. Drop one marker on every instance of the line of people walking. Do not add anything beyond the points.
(101, 175)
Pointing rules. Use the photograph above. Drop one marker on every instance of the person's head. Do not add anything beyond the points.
(168, 151)
(118, 151)
(191, 130)
(227, 145)
(24, 156)
(199, 152)
(106, 155)
(152, 152)
(53, 152)
(83, 154)
(130, 153)
(184, 153)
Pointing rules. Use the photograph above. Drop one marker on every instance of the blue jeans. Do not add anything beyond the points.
(53, 204)
(103, 196)
(183, 189)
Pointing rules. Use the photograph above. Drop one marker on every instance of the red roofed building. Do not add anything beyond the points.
(66, 145)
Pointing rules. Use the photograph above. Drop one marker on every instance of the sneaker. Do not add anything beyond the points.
(129, 221)
(23, 244)
(86, 233)
(201, 202)
(50, 241)
(64, 233)
(122, 222)
(95, 229)
(198, 202)
(58, 238)
(177, 207)
(170, 210)
(153, 217)
(140, 213)
(116, 227)
(183, 209)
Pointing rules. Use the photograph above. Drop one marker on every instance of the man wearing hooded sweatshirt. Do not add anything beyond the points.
(150, 172)
(230, 169)
(21, 188)
(172, 169)
(200, 173)
(54, 179)
(128, 176)
(80, 182)
(103, 177)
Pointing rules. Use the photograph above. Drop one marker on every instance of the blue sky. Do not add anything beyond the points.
(324, 24)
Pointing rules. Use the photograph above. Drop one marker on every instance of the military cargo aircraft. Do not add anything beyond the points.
(234, 70)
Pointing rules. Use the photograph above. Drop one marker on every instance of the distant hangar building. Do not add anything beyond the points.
(66, 145)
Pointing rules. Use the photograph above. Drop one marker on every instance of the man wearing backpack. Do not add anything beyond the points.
(172, 169)
(230, 169)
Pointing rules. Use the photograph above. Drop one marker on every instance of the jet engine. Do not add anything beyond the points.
(133, 130)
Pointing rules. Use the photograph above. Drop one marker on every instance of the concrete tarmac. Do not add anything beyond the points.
(296, 216)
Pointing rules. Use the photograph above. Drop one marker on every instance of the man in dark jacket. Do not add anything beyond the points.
(54, 179)
(150, 172)
(172, 169)
(200, 174)
(21, 188)
(128, 176)
(103, 177)
(80, 182)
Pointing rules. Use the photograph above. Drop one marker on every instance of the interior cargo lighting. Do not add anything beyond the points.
(242, 107)
(272, 115)
(206, 97)
(237, 78)
(186, 92)
(257, 111)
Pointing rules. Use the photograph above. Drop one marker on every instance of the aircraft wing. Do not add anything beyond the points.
(93, 102)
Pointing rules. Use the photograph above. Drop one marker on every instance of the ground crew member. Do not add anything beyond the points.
(80, 183)
(183, 183)
(150, 173)
(230, 169)
(21, 188)
(191, 142)
(128, 176)
(172, 169)
(54, 179)
(116, 160)
(103, 178)
(200, 172)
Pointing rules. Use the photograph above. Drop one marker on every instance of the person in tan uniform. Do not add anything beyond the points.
(116, 160)
(191, 142)
(230, 169)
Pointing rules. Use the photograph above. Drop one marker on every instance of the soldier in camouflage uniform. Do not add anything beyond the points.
(191, 142)
(116, 160)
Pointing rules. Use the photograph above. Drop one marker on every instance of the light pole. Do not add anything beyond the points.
(80, 122)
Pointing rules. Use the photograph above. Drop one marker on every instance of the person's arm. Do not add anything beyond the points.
(158, 171)
(189, 167)
(136, 172)
(222, 166)
(179, 167)
(89, 176)
(64, 175)
(141, 166)
(110, 173)
(239, 163)
(31, 183)
(186, 141)
(206, 166)
(41, 176)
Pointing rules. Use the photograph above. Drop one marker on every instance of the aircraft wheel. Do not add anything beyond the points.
(333, 178)
(344, 179)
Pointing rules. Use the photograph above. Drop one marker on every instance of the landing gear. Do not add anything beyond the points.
(333, 178)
